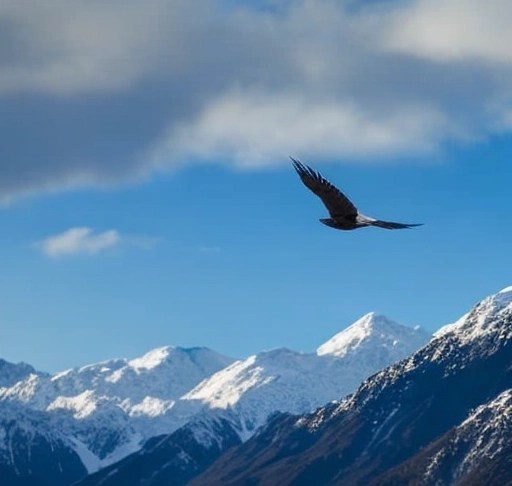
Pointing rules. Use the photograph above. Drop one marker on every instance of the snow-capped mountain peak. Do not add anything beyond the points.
(371, 330)
(481, 319)
(271, 380)
(504, 296)
(196, 357)
(151, 359)
(403, 425)
(110, 408)
(11, 373)
(351, 337)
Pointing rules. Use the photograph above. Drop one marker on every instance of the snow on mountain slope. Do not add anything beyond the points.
(165, 373)
(109, 409)
(171, 459)
(113, 406)
(446, 407)
(287, 381)
(11, 373)
(375, 332)
(478, 451)
(486, 430)
(30, 444)
(481, 318)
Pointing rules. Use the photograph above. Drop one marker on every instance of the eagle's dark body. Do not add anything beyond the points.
(344, 215)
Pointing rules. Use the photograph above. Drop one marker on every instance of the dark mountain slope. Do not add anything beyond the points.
(170, 460)
(33, 452)
(389, 419)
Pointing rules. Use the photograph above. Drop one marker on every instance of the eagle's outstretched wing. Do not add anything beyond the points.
(334, 200)
(386, 224)
(392, 225)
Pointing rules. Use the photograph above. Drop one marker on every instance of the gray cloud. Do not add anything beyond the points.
(101, 92)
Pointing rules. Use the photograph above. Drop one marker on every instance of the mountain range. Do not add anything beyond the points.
(442, 417)
(379, 404)
(86, 419)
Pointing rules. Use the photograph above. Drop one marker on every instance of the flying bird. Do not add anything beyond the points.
(344, 215)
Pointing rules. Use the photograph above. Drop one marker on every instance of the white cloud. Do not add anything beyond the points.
(102, 92)
(82, 240)
(258, 128)
(77, 241)
(453, 30)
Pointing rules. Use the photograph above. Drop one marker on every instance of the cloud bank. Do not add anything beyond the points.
(101, 92)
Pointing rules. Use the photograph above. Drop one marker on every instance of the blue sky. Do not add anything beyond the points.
(147, 195)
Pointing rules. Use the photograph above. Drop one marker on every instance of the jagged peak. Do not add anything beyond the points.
(151, 359)
(481, 319)
(361, 330)
(10, 373)
(504, 296)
